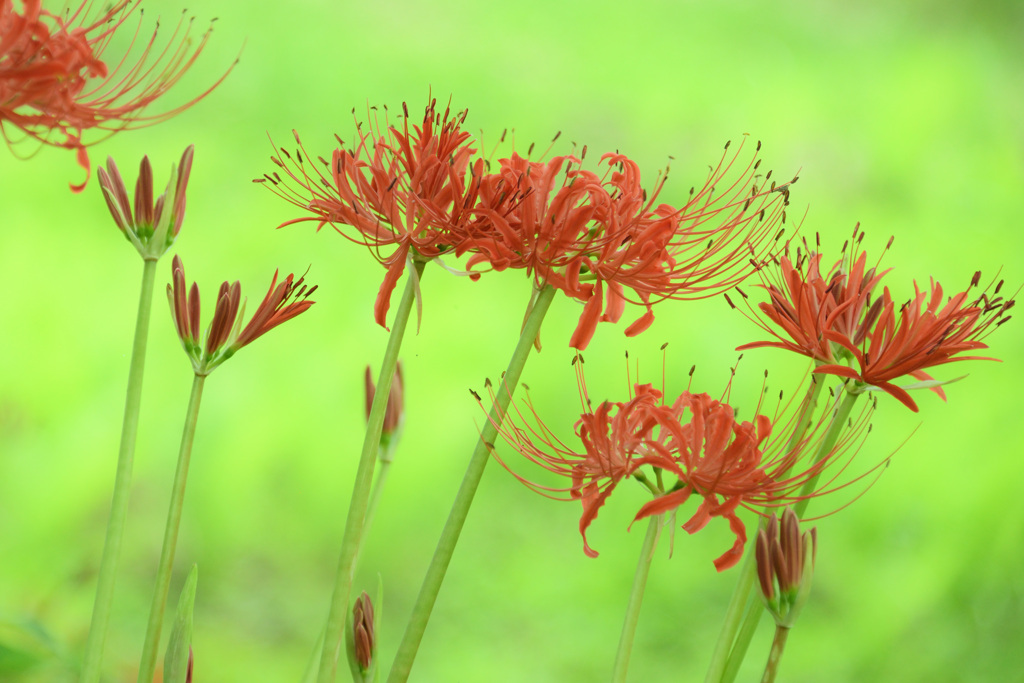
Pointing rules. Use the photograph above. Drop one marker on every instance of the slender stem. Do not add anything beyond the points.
(122, 484)
(361, 488)
(781, 633)
(383, 468)
(464, 498)
(829, 442)
(147, 664)
(755, 610)
(636, 597)
(743, 600)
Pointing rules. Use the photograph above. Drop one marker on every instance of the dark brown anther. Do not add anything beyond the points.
(728, 300)
(728, 143)
(405, 109)
(487, 382)
(559, 133)
(742, 293)
(693, 368)
(475, 395)
(392, 184)
(530, 150)
(664, 346)
(758, 146)
(976, 279)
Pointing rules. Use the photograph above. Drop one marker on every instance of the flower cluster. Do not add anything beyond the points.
(153, 225)
(729, 464)
(841, 320)
(225, 335)
(56, 83)
(595, 236)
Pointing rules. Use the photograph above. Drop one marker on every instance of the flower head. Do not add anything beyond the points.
(785, 566)
(841, 321)
(402, 191)
(56, 81)
(153, 226)
(363, 633)
(696, 439)
(225, 335)
(597, 236)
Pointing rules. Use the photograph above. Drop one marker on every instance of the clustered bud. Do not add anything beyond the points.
(785, 566)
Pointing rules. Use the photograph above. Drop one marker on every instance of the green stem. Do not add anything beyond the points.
(361, 488)
(831, 437)
(731, 646)
(371, 509)
(122, 484)
(755, 607)
(147, 664)
(755, 610)
(636, 597)
(464, 498)
(781, 633)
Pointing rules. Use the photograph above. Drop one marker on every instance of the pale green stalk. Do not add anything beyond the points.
(122, 484)
(778, 644)
(147, 664)
(741, 596)
(755, 608)
(464, 498)
(636, 597)
(361, 488)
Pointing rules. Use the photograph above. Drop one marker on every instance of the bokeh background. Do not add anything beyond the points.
(905, 117)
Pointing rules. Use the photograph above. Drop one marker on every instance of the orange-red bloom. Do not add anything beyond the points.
(595, 237)
(56, 81)
(840, 318)
(396, 187)
(697, 439)
(225, 335)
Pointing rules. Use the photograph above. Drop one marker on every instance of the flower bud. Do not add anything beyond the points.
(152, 227)
(394, 413)
(362, 631)
(785, 566)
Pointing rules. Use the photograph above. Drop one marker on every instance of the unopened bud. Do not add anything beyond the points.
(394, 413)
(362, 631)
(785, 566)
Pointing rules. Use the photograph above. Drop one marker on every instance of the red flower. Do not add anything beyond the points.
(728, 463)
(927, 333)
(806, 304)
(838, 319)
(225, 335)
(595, 237)
(55, 82)
(396, 187)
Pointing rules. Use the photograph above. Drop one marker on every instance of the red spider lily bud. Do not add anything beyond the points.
(785, 566)
(362, 631)
(394, 413)
(283, 301)
(152, 227)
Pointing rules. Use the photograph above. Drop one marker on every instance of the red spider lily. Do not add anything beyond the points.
(56, 81)
(225, 335)
(927, 333)
(154, 226)
(728, 463)
(833, 320)
(806, 305)
(395, 187)
(594, 237)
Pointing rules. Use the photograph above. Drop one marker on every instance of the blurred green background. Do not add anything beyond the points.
(906, 117)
